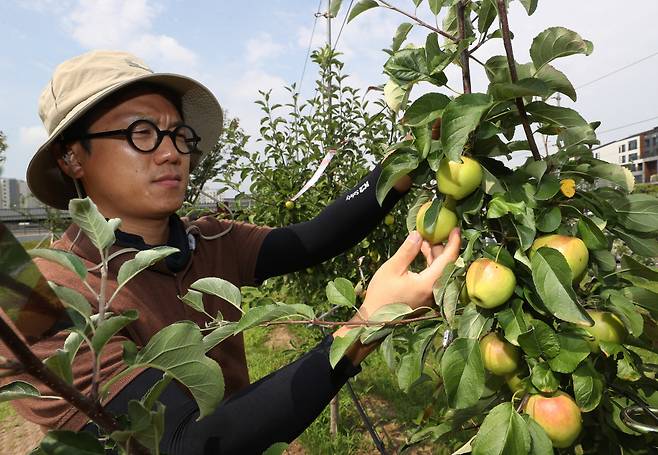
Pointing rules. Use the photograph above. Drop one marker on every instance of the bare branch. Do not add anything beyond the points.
(463, 57)
(420, 22)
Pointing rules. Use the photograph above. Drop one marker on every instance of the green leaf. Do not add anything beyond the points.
(143, 260)
(194, 299)
(407, 66)
(219, 288)
(639, 213)
(460, 118)
(111, 326)
(422, 139)
(573, 350)
(647, 247)
(490, 184)
(513, 321)
(540, 341)
(18, 389)
(503, 432)
(334, 7)
(592, 236)
(400, 35)
(556, 81)
(644, 298)
(64, 442)
(613, 173)
(425, 109)
(73, 299)
(548, 188)
(555, 115)
(502, 91)
(360, 7)
(604, 259)
(577, 135)
(552, 278)
(463, 373)
(341, 344)
(415, 207)
(60, 364)
(218, 335)
(394, 95)
(556, 42)
(549, 220)
(498, 253)
(267, 313)
(390, 312)
(411, 364)
(436, 5)
(178, 350)
(63, 258)
(587, 386)
(487, 14)
(639, 274)
(627, 312)
(473, 323)
(85, 214)
(395, 166)
(543, 378)
(541, 443)
(341, 292)
(500, 206)
(530, 6)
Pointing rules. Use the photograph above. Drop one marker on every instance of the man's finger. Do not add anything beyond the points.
(427, 251)
(407, 252)
(448, 255)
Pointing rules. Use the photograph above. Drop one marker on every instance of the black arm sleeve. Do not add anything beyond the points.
(341, 225)
(277, 408)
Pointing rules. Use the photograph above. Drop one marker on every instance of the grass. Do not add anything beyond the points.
(375, 386)
(6, 412)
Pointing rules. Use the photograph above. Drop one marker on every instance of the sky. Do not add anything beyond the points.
(240, 47)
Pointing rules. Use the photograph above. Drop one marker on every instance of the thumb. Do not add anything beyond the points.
(407, 252)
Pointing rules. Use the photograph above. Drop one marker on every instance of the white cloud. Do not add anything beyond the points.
(262, 47)
(32, 136)
(127, 25)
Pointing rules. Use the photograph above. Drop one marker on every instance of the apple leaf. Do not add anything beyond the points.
(70, 442)
(613, 173)
(141, 261)
(63, 258)
(540, 341)
(18, 389)
(360, 7)
(530, 6)
(267, 313)
(111, 326)
(639, 274)
(473, 323)
(513, 321)
(411, 363)
(555, 115)
(400, 35)
(194, 299)
(587, 386)
(543, 378)
(334, 7)
(556, 81)
(644, 298)
(541, 443)
(218, 335)
(502, 91)
(400, 163)
(219, 288)
(592, 236)
(86, 216)
(341, 292)
(341, 344)
(552, 278)
(624, 308)
(604, 259)
(556, 42)
(549, 220)
(426, 109)
(503, 432)
(435, 5)
(573, 350)
(647, 247)
(463, 373)
(639, 213)
(460, 118)
(422, 198)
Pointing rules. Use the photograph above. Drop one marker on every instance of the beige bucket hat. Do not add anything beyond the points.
(81, 83)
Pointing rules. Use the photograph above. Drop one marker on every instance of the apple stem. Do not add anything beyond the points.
(523, 402)
(507, 40)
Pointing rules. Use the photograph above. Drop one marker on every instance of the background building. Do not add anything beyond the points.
(638, 153)
(14, 194)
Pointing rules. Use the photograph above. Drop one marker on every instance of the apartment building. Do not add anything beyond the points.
(15, 194)
(638, 153)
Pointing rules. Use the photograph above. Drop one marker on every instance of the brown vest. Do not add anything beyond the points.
(154, 293)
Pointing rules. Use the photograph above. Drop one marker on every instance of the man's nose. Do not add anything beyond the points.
(167, 151)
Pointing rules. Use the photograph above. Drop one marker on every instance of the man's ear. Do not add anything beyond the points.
(69, 163)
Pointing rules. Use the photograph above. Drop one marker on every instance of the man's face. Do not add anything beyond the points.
(124, 182)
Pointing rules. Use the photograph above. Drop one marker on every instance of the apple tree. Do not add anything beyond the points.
(542, 338)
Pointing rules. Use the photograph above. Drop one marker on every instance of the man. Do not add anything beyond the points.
(128, 138)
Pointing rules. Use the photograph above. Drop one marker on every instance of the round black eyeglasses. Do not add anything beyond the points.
(145, 136)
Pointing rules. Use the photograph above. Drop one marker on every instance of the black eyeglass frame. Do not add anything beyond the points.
(127, 134)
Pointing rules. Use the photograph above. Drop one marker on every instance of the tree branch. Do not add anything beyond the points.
(463, 57)
(507, 40)
(420, 22)
(323, 323)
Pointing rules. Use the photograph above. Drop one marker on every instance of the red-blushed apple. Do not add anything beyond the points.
(607, 327)
(488, 283)
(572, 248)
(499, 356)
(558, 415)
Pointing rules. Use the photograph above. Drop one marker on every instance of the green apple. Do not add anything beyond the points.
(515, 382)
(389, 220)
(498, 356)
(290, 205)
(458, 179)
(488, 283)
(572, 248)
(607, 327)
(445, 222)
(558, 415)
